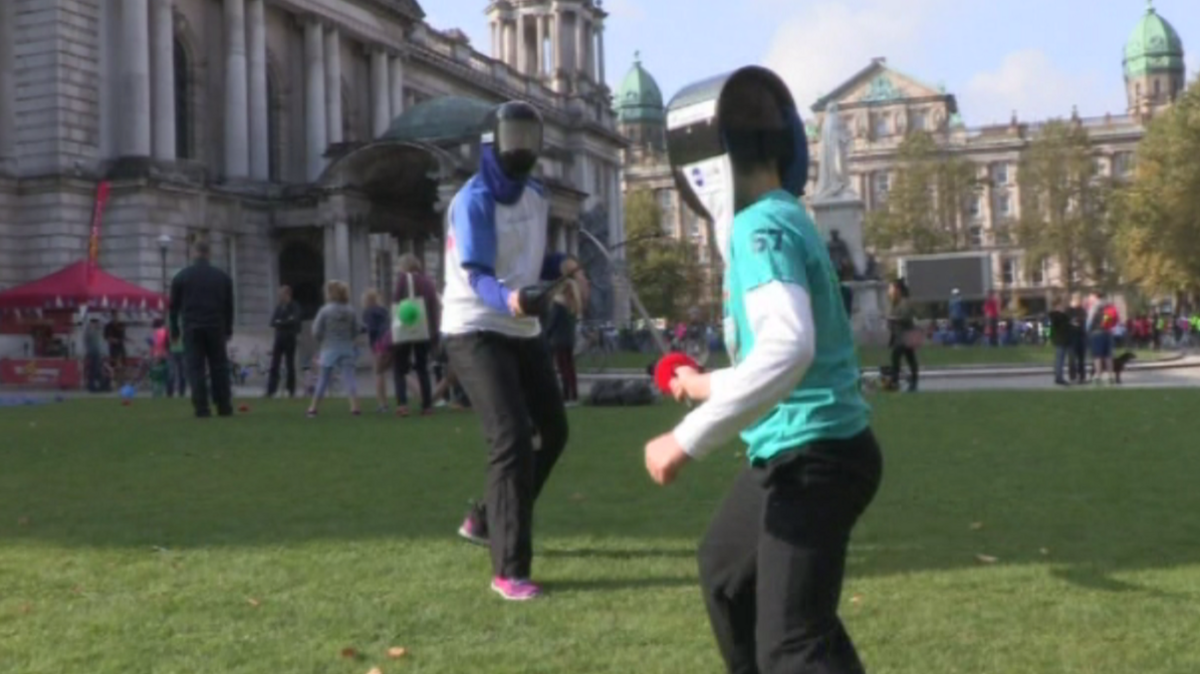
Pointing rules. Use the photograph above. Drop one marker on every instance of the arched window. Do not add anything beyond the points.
(274, 109)
(183, 110)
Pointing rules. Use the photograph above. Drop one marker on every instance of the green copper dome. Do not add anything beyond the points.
(1154, 46)
(639, 98)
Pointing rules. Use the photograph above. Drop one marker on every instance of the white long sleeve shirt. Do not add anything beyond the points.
(780, 314)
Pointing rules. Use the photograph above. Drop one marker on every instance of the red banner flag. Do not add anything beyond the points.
(94, 238)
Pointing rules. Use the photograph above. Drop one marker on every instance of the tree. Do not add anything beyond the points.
(1158, 213)
(1065, 207)
(928, 205)
(662, 269)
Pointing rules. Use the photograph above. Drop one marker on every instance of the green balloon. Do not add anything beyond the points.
(408, 312)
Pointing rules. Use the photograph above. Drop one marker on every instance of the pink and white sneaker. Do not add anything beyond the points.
(515, 589)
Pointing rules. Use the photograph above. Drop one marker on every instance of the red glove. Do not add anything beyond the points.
(665, 370)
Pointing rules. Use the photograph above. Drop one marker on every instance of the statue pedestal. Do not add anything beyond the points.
(869, 315)
(845, 215)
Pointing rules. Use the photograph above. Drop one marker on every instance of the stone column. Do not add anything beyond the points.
(600, 54)
(260, 142)
(360, 260)
(397, 88)
(135, 78)
(341, 247)
(237, 124)
(494, 27)
(333, 86)
(522, 46)
(541, 44)
(381, 99)
(314, 97)
(581, 33)
(162, 45)
(8, 116)
(510, 43)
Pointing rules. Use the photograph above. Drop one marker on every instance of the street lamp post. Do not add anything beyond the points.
(164, 244)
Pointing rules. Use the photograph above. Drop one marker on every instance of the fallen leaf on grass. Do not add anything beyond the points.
(78, 589)
(349, 652)
(577, 497)
(375, 670)
(253, 602)
(1044, 551)
(397, 652)
(26, 609)
(986, 559)
(976, 526)
(856, 599)
(22, 521)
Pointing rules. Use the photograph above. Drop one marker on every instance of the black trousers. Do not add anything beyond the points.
(283, 352)
(205, 348)
(773, 560)
(513, 389)
(408, 357)
(1077, 358)
(900, 351)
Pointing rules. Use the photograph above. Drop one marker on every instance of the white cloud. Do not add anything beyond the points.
(823, 44)
(1028, 82)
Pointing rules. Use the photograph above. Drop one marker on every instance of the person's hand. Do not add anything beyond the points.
(514, 303)
(690, 384)
(664, 458)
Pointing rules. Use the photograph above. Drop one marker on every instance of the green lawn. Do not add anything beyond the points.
(139, 541)
(870, 356)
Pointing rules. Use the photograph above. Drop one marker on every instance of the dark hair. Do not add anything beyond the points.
(901, 286)
(201, 248)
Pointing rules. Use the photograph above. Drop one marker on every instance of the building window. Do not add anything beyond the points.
(917, 120)
(1000, 174)
(1008, 271)
(1038, 276)
(183, 111)
(976, 233)
(881, 125)
(1122, 163)
(973, 207)
(1003, 205)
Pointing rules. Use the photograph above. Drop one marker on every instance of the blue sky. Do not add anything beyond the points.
(1038, 57)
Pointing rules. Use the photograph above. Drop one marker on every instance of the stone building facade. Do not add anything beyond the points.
(228, 119)
(881, 104)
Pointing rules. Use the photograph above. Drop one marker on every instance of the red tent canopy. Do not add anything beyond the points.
(70, 288)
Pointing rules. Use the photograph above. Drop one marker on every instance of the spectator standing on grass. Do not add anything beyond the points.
(1077, 353)
(202, 314)
(93, 356)
(287, 322)
(903, 333)
(561, 326)
(1060, 337)
(378, 324)
(991, 316)
(958, 317)
(411, 282)
(336, 329)
(1102, 318)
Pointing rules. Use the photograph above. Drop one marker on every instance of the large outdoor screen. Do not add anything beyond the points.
(930, 279)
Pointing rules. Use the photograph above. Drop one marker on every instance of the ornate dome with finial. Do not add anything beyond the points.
(639, 99)
(1154, 46)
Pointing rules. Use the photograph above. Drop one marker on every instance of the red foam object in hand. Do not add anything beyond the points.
(665, 370)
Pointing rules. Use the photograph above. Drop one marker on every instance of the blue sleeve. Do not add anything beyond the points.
(552, 266)
(474, 229)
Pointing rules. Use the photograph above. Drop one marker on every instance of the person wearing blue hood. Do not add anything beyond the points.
(497, 269)
(773, 559)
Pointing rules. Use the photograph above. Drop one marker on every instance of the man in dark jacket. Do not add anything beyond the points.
(286, 320)
(1060, 337)
(202, 298)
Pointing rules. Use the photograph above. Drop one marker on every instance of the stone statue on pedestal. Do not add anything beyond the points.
(833, 175)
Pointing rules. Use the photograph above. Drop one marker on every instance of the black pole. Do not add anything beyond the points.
(163, 254)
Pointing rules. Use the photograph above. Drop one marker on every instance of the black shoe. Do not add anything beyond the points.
(226, 412)
(1062, 382)
(204, 414)
(474, 528)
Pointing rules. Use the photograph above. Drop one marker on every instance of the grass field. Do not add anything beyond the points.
(139, 541)
(932, 356)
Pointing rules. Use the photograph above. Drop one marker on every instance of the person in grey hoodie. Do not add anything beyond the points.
(336, 329)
